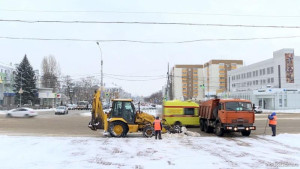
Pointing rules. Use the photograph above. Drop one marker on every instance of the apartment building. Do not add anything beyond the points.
(185, 82)
(6, 81)
(215, 75)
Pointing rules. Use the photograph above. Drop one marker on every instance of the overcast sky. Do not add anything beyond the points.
(80, 59)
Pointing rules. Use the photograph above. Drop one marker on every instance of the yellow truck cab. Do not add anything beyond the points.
(182, 113)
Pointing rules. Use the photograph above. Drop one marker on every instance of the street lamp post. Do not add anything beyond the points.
(21, 91)
(101, 66)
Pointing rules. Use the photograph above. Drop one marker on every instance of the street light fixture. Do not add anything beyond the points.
(101, 65)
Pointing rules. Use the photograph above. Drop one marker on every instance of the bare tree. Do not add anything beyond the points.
(85, 88)
(50, 72)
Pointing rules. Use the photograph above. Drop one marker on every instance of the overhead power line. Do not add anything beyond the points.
(151, 12)
(148, 23)
(149, 42)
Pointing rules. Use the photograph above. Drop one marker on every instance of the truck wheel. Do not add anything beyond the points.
(205, 126)
(219, 130)
(148, 131)
(201, 125)
(177, 123)
(246, 133)
(117, 129)
(177, 129)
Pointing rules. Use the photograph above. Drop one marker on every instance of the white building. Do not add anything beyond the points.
(6, 82)
(281, 71)
(270, 84)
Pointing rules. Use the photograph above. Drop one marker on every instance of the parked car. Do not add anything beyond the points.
(22, 112)
(257, 110)
(72, 106)
(61, 110)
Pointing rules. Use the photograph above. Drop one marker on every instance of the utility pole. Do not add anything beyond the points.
(21, 91)
(167, 87)
(101, 66)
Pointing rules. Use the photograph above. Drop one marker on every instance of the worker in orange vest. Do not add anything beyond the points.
(273, 122)
(157, 127)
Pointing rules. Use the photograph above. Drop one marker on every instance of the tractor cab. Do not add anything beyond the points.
(123, 108)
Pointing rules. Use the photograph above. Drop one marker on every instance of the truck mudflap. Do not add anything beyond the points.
(239, 128)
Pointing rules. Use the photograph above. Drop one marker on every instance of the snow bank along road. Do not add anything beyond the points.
(174, 151)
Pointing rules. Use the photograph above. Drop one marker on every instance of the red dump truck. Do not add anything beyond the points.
(227, 115)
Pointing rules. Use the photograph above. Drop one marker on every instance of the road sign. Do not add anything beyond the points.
(20, 91)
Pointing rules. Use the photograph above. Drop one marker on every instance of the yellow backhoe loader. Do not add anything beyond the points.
(122, 118)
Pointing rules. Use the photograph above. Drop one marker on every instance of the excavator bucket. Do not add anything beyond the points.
(98, 116)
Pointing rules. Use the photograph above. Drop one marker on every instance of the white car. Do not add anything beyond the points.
(61, 110)
(22, 112)
(257, 110)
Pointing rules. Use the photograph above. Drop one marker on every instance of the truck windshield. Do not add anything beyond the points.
(238, 106)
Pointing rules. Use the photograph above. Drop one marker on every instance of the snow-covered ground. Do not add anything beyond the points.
(173, 151)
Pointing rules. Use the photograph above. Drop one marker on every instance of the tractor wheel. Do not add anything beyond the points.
(219, 130)
(148, 131)
(117, 129)
(246, 133)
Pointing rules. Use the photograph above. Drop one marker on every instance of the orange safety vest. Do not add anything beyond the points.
(157, 125)
(274, 121)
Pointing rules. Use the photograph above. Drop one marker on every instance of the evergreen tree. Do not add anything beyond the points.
(25, 80)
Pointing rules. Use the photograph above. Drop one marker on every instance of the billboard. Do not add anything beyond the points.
(289, 67)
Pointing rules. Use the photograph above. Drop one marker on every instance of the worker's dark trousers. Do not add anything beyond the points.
(159, 134)
(273, 129)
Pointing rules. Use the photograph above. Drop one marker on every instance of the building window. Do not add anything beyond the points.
(253, 73)
(233, 64)
(272, 70)
(256, 73)
(269, 80)
(272, 80)
(268, 70)
(264, 71)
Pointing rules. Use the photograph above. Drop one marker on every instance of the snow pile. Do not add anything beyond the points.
(86, 114)
(3, 112)
(45, 110)
(143, 153)
(282, 111)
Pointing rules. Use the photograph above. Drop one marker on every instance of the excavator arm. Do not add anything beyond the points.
(99, 118)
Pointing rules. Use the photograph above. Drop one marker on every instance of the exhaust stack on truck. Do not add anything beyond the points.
(227, 115)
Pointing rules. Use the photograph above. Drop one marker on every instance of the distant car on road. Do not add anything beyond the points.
(72, 106)
(61, 110)
(83, 105)
(257, 110)
(22, 112)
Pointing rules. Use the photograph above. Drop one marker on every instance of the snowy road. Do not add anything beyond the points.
(174, 151)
